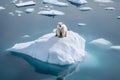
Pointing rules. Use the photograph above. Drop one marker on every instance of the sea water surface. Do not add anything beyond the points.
(100, 64)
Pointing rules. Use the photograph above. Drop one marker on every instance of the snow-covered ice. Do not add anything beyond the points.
(54, 50)
(55, 2)
(81, 24)
(2, 8)
(85, 8)
(29, 10)
(78, 2)
(109, 8)
(115, 47)
(51, 13)
(101, 42)
(23, 4)
(104, 1)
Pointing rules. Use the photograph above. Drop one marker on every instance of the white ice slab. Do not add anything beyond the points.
(51, 49)
(55, 2)
(85, 8)
(51, 13)
(104, 1)
(29, 10)
(78, 1)
(23, 4)
(115, 47)
(2, 8)
(109, 8)
(81, 24)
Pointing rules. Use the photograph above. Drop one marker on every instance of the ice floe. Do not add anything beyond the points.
(115, 47)
(54, 50)
(25, 36)
(24, 4)
(29, 10)
(118, 17)
(51, 13)
(55, 2)
(11, 13)
(104, 1)
(18, 12)
(2, 8)
(85, 8)
(109, 8)
(14, 1)
(101, 42)
(78, 2)
(81, 24)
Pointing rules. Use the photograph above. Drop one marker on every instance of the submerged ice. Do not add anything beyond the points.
(54, 50)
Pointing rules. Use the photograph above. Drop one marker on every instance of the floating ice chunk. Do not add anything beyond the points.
(14, 1)
(11, 13)
(101, 42)
(55, 2)
(18, 12)
(2, 8)
(118, 17)
(26, 36)
(51, 13)
(109, 8)
(29, 10)
(54, 50)
(81, 24)
(115, 47)
(85, 8)
(104, 1)
(24, 4)
(78, 2)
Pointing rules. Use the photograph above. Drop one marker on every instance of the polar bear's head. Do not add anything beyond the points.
(60, 24)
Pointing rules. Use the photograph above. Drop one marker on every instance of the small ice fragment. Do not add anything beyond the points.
(51, 13)
(104, 1)
(118, 17)
(2, 8)
(29, 10)
(115, 47)
(24, 4)
(81, 24)
(26, 36)
(55, 2)
(78, 2)
(109, 8)
(11, 13)
(18, 11)
(85, 8)
(14, 1)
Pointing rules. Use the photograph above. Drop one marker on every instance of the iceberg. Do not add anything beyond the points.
(104, 1)
(55, 2)
(54, 50)
(102, 43)
(85, 8)
(51, 13)
(24, 4)
(52, 55)
(2, 8)
(78, 2)
(81, 24)
(109, 8)
(29, 10)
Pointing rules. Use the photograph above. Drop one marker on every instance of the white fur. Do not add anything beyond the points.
(61, 30)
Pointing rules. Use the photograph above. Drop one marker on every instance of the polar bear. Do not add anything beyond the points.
(61, 30)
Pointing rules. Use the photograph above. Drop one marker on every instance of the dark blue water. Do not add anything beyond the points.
(100, 64)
